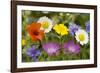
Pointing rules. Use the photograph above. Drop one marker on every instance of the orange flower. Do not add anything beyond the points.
(35, 32)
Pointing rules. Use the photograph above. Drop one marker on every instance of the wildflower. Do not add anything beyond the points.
(23, 42)
(61, 29)
(88, 26)
(73, 28)
(35, 32)
(71, 47)
(46, 24)
(82, 36)
(51, 48)
(33, 52)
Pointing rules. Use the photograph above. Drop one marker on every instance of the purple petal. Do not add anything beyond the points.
(51, 47)
(73, 28)
(88, 26)
(33, 52)
(71, 47)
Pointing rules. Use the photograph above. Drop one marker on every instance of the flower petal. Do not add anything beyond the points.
(35, 32)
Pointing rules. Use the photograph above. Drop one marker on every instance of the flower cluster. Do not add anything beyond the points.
(33, 52)
(38, 30)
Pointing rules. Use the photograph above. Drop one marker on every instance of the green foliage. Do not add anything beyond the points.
(58, 17)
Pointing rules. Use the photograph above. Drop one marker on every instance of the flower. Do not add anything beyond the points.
(23, 42)
(33, 52)
(88, 26)
(82, 36)
(73, 28)
(35, 32)
(71, 47)
(51, 48)
(46, 24)
(61, 29)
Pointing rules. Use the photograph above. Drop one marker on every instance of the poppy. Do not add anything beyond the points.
(35, 32)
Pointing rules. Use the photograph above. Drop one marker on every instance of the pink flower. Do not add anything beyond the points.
(71, 47)
(51, 48)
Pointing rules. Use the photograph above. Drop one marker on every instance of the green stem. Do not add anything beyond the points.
(60, 40)
(46, 39)
(40, 44)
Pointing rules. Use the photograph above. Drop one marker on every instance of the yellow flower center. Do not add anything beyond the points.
(81, 37)
(45, 24)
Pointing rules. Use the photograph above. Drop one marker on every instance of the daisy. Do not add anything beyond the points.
(82, 36)
(47, 24)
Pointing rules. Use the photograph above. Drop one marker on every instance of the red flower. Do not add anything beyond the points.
(35, 32)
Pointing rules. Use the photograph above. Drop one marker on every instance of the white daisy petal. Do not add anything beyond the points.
(47, 24)
(82, 36)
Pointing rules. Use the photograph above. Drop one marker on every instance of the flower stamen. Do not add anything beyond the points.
(45, 25)
(81, 37)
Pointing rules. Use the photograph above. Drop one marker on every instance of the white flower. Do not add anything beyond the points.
(47, 24)
(82, 36)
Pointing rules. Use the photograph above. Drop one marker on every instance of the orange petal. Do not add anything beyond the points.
(41, 35)
(34, 38)
(35, 26)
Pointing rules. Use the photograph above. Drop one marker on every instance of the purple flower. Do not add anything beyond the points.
(88, 26)
(73, 28)
(71, 47)
(51, 48)
(33, 52)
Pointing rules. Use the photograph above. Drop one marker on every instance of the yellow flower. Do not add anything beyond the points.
(61, 29)
(23, 42)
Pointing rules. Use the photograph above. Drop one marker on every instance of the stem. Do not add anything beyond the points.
(40, 44)
(60, 40)
(46, 39)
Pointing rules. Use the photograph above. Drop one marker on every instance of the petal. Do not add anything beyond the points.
(41, 35)
(51, 48)
(36, 26)
(34, 37)
(33, 26)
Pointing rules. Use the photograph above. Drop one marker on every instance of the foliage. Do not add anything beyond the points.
(80, 19)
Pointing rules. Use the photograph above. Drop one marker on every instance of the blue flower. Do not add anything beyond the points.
(88, 26)
(33, 52)
(73, 28)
